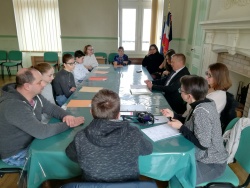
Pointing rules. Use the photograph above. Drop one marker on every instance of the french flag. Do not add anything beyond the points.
(167, 33)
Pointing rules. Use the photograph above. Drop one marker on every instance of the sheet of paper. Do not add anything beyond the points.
(161, 119)
(102, 67)
(79, 103)
(90, 89)
(160, 132)
(100, 72)
(98, 78)
(140, 91)
(138, 87)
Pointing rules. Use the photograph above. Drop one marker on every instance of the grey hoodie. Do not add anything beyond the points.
(20, 122)
(108, 151)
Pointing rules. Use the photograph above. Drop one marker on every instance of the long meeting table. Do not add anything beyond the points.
(171, 157)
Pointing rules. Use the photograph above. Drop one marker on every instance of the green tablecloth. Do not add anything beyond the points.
(171, 157)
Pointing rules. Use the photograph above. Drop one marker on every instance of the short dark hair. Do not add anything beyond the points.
(105, 105)
(79, 53)
(220, 73)
(197, 86)
(25, 77)
(121, 48)
(66, 58)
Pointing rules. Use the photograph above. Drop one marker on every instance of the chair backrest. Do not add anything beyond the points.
(3, 55)
(101, 54)
(111, 57)
(68, 52)
(15, 55)
(242, 155)
(229, 112)
(50, 56)
(134, 184)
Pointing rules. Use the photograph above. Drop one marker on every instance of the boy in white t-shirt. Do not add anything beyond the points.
(80, 71)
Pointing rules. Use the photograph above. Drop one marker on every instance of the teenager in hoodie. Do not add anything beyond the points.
(108, 149)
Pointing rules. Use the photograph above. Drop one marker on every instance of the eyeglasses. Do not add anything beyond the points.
(71, 64)
(181, 91)
(208, 74)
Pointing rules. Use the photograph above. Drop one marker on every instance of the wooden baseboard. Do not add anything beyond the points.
(136, 61)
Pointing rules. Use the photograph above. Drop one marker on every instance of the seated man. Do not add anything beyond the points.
(171, 83)
(21, 108)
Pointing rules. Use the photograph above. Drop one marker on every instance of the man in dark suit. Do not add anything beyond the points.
(171, 83)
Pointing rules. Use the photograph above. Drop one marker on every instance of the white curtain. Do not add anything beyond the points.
(38, 25)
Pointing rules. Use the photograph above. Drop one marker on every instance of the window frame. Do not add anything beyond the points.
(139, 5)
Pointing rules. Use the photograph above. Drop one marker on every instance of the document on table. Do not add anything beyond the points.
(160, 119)
(97, 78)
(138, 87)
(160, 132)
(145, 91)
(102, 67)
(79, 103)
(100, 72)
(90, 89)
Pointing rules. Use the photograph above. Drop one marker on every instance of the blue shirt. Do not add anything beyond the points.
(120, 60)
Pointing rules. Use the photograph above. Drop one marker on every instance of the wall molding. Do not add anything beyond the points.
(95, 38)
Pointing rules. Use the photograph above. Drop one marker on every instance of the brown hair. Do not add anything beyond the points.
(180, 58)
(86, 48)
(67, 57)
(25, 76)
(105, 105)
(197, 86)
(220, 73)
(42, 67)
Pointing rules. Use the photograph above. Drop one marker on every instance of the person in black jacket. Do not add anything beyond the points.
(153, 60)
(64, 82)
(171, 83)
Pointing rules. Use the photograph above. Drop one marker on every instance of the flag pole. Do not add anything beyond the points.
(169, 6)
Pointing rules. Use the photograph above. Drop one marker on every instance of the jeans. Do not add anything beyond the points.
(61, 99)
(18, 159)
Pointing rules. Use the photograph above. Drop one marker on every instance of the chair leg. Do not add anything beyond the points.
(8, 69)
(245, 184)
(2, 70)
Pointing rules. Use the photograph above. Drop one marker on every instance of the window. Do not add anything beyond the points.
(38, 25)
(135, 24)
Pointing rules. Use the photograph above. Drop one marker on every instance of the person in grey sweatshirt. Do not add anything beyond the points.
(107, 150)
(21, 108)
(202, 127)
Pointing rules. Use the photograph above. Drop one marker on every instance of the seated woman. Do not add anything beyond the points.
(64, 83)
(79, 71)
(165, 67)
(89, 60)
(201, 127)
(153, 60)
(219, 82)
(47, 72)
(120, 59)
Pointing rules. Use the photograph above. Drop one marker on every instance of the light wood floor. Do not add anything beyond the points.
(10, 180)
